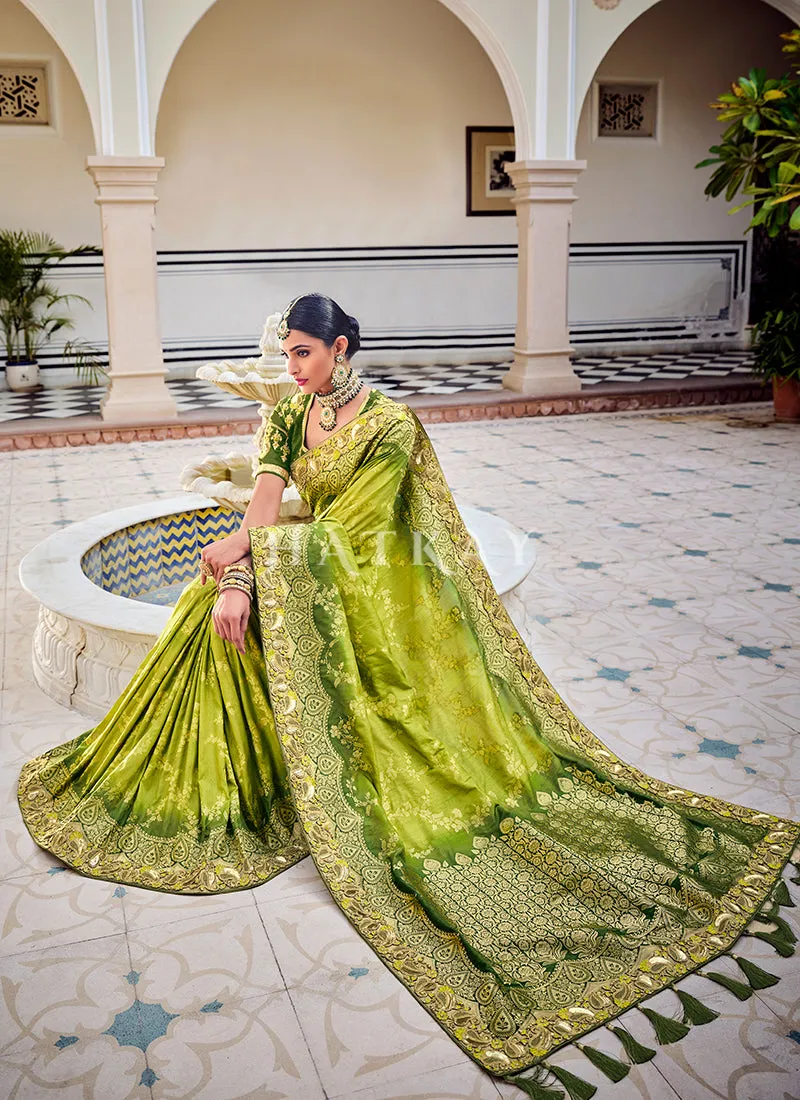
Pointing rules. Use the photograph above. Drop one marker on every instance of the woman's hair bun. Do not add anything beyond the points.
(353, 336)
(320, 316)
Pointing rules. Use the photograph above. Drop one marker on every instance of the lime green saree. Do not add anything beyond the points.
(524, 883)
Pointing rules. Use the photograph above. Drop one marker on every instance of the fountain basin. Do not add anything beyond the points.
(106, 587)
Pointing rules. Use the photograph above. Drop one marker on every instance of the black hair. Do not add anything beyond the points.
(320, 316)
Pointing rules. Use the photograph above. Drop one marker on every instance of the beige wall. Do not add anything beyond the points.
(350, 131)
(43, 182)
(638, 191)
(323, 124)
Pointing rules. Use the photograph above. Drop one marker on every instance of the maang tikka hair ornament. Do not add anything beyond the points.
(282, 331)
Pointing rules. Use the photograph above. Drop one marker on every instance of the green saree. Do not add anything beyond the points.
(525, 884)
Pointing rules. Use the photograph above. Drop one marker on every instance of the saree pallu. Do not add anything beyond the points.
(524, 883)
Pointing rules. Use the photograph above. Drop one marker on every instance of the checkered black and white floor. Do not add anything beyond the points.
(398, 381)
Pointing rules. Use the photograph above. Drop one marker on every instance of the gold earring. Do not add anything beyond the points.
(340, 372)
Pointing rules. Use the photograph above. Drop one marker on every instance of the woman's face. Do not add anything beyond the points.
(310, 361)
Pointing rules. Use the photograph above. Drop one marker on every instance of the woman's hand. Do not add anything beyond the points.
(230, 616)
(225, 552)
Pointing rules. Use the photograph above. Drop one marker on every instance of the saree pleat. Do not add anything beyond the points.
(181, 786)
(522, 881)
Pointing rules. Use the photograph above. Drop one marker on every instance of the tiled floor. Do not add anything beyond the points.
(400, 382)
(664, 605)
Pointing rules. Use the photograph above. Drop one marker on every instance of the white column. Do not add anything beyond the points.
(127, 201)
(544, 194)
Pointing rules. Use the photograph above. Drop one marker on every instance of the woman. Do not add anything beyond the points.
(353, 687)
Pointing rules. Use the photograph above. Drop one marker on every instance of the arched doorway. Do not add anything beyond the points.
(45, 186)
(326, 150)
(667, 268)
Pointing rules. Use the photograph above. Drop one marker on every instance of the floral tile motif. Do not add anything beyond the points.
(145, 909)
(53, 910)
(189, 965)
(460, 1082)
(369, 1031)
(253, 1048)
(56, 1005)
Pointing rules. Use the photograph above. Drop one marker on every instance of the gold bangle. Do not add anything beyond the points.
(240, 585)
(238, 577)
(238, 573)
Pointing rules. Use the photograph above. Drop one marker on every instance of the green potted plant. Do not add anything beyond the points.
(759, 156)
(32, 310)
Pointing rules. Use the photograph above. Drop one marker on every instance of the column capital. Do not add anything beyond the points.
(545, 180)
(127, 198)
(125, 179)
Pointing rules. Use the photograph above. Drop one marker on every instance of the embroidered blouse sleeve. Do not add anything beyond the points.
(275, 455)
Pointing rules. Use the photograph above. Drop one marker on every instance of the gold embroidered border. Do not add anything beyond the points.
(82, 834)
(269, 468)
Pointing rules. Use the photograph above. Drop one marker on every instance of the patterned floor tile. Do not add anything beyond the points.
(190, 963)
(146, 909)
(54, 909)
(56, 1007)
(366, 1029)
(764, 1064)
(20, 856)
(461, 1082)
(314, 943)
(247, 1050)
(301, 878)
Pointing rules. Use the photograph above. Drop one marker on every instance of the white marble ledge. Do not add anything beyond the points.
(51, 571)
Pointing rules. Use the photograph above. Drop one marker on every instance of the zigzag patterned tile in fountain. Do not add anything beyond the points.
(152, 560)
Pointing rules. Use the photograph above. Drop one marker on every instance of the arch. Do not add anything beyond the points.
(71, 31)
(168, 30)
(600, 29)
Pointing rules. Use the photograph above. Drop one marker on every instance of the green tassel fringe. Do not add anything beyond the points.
(577, 1088)
(535, 1089)
(738, 989)
(758, 978)
(786, 950)
(667, 1030)
(784, 931)
(606, 1063)
(694, 1011)
(782, 896)
(636, 1051)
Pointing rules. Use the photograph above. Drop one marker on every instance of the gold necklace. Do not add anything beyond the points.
(346, 384)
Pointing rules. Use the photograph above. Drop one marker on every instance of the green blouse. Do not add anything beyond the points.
(285, 433)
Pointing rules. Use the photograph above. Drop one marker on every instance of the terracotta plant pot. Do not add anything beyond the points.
(786, 395)
(22, 376)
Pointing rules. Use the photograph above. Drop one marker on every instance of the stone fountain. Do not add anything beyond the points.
(229, 479)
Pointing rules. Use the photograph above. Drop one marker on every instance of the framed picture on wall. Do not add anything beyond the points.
(490, 149)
